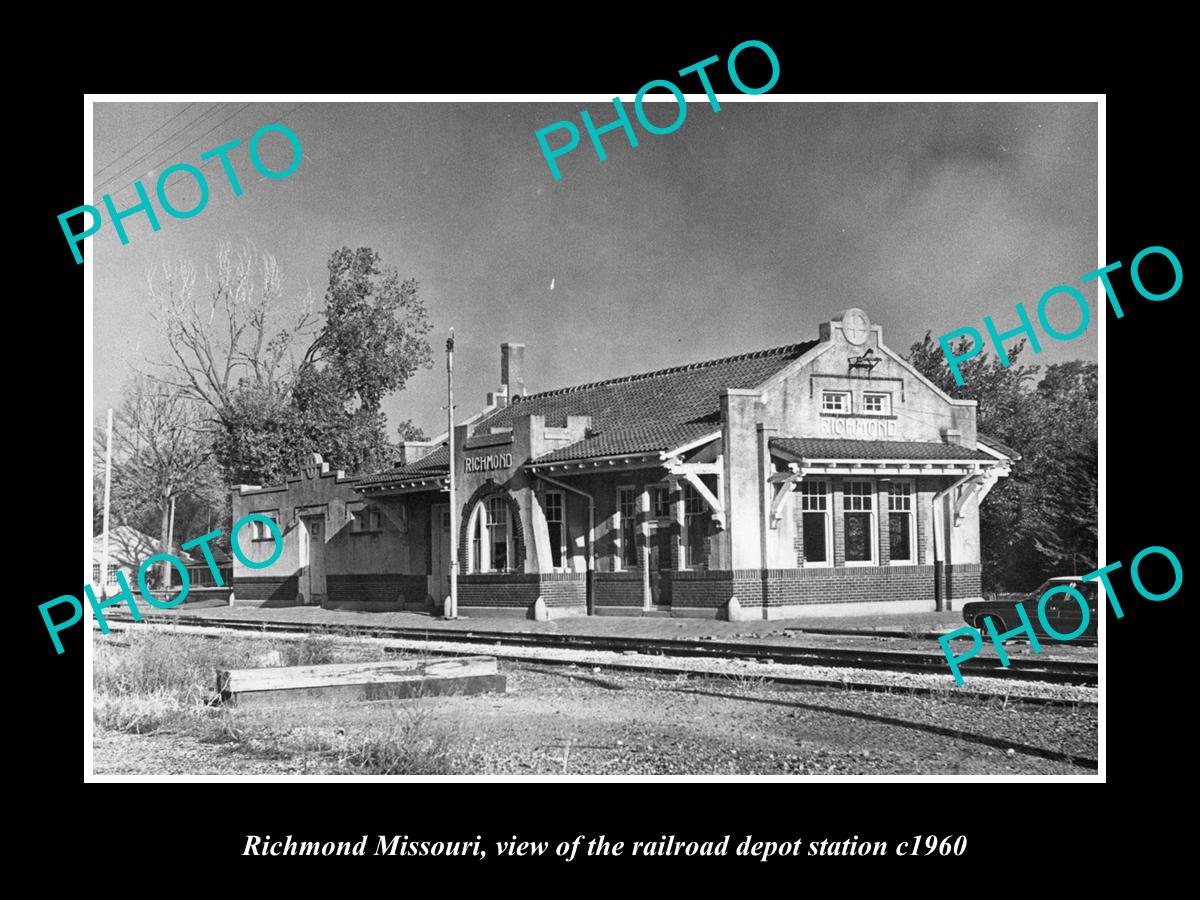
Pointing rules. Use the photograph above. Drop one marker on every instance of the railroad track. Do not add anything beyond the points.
(1044, 670)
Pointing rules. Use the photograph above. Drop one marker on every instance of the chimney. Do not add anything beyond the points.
(512, 370)
(411, 451)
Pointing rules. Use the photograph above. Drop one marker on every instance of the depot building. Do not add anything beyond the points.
(821, 477)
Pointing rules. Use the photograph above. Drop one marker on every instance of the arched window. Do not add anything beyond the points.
(491, 534)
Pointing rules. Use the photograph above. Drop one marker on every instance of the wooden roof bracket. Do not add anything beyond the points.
(783, 486)
(983, 484)
(692, 472)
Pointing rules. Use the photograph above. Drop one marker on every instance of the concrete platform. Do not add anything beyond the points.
(658, 624)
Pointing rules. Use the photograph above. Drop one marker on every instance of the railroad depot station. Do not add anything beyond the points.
(823, 477)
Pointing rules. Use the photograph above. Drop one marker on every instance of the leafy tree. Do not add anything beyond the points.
(407, 431)
(1042, 519)
(281, 380)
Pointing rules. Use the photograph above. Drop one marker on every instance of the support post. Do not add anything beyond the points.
(167, 567)
(452, 610)
(644, 508)
(103, 586)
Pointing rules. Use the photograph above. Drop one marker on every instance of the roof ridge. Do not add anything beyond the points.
(624, 379)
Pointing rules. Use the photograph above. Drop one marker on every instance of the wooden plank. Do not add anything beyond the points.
(410, 688)
(235, 681)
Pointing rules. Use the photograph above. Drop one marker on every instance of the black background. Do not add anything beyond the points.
(1148, 451)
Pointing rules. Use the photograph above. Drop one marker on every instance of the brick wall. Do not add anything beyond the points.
(266, 591)
(617, 589)
(563, 590)
(397, 591)
(786, 587)
(965, 580)
(699, 589)
(497, 590)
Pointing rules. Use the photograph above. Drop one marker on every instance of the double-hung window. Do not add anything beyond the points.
(697, 515)
(660, 502)
(556, 522)
(858, 519)
(814, 522)
(627, 527)
(491, 536)
(112, 574)
(900, 522)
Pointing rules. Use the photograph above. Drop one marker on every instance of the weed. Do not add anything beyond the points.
(311, 650)
(410, 745)
(745, 679)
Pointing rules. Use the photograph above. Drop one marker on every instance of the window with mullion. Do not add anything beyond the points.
(814, 521)
(556, 523)
(696, 518)
(497, 526)
(627, 527)
(491, 536)
(900, 522)
(858, 521)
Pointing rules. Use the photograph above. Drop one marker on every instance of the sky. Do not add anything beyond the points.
(742, 230)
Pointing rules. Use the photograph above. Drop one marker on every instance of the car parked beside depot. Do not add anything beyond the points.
(1063, 612)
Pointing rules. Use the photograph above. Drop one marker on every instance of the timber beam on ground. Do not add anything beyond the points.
(396, 679)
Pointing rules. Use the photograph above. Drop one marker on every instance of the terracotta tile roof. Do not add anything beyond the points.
(632, 440)
(436, 463)
(674, 396)
(829, 448)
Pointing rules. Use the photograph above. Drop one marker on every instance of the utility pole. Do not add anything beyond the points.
(167, 549)
(451, 610)
(107, 485)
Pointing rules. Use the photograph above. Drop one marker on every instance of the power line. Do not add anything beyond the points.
(153, 150)
(210, 161)
(181, 149)
(150, 135)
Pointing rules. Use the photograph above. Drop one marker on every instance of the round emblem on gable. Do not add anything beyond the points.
(856, 326)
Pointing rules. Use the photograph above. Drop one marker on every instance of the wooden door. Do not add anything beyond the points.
(439, 542)
(312, 579)
(660, 564)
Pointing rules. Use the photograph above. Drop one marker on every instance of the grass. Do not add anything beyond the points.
(744, 679)
(411, 744)
(156, 681)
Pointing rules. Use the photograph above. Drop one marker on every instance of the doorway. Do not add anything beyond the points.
(660, 563)
(312, 560)
(439, 542)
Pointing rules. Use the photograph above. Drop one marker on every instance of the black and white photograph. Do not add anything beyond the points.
(534, 438)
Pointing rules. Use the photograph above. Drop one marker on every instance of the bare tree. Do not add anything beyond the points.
(280, 378)
(237, 331)
(161, 451)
